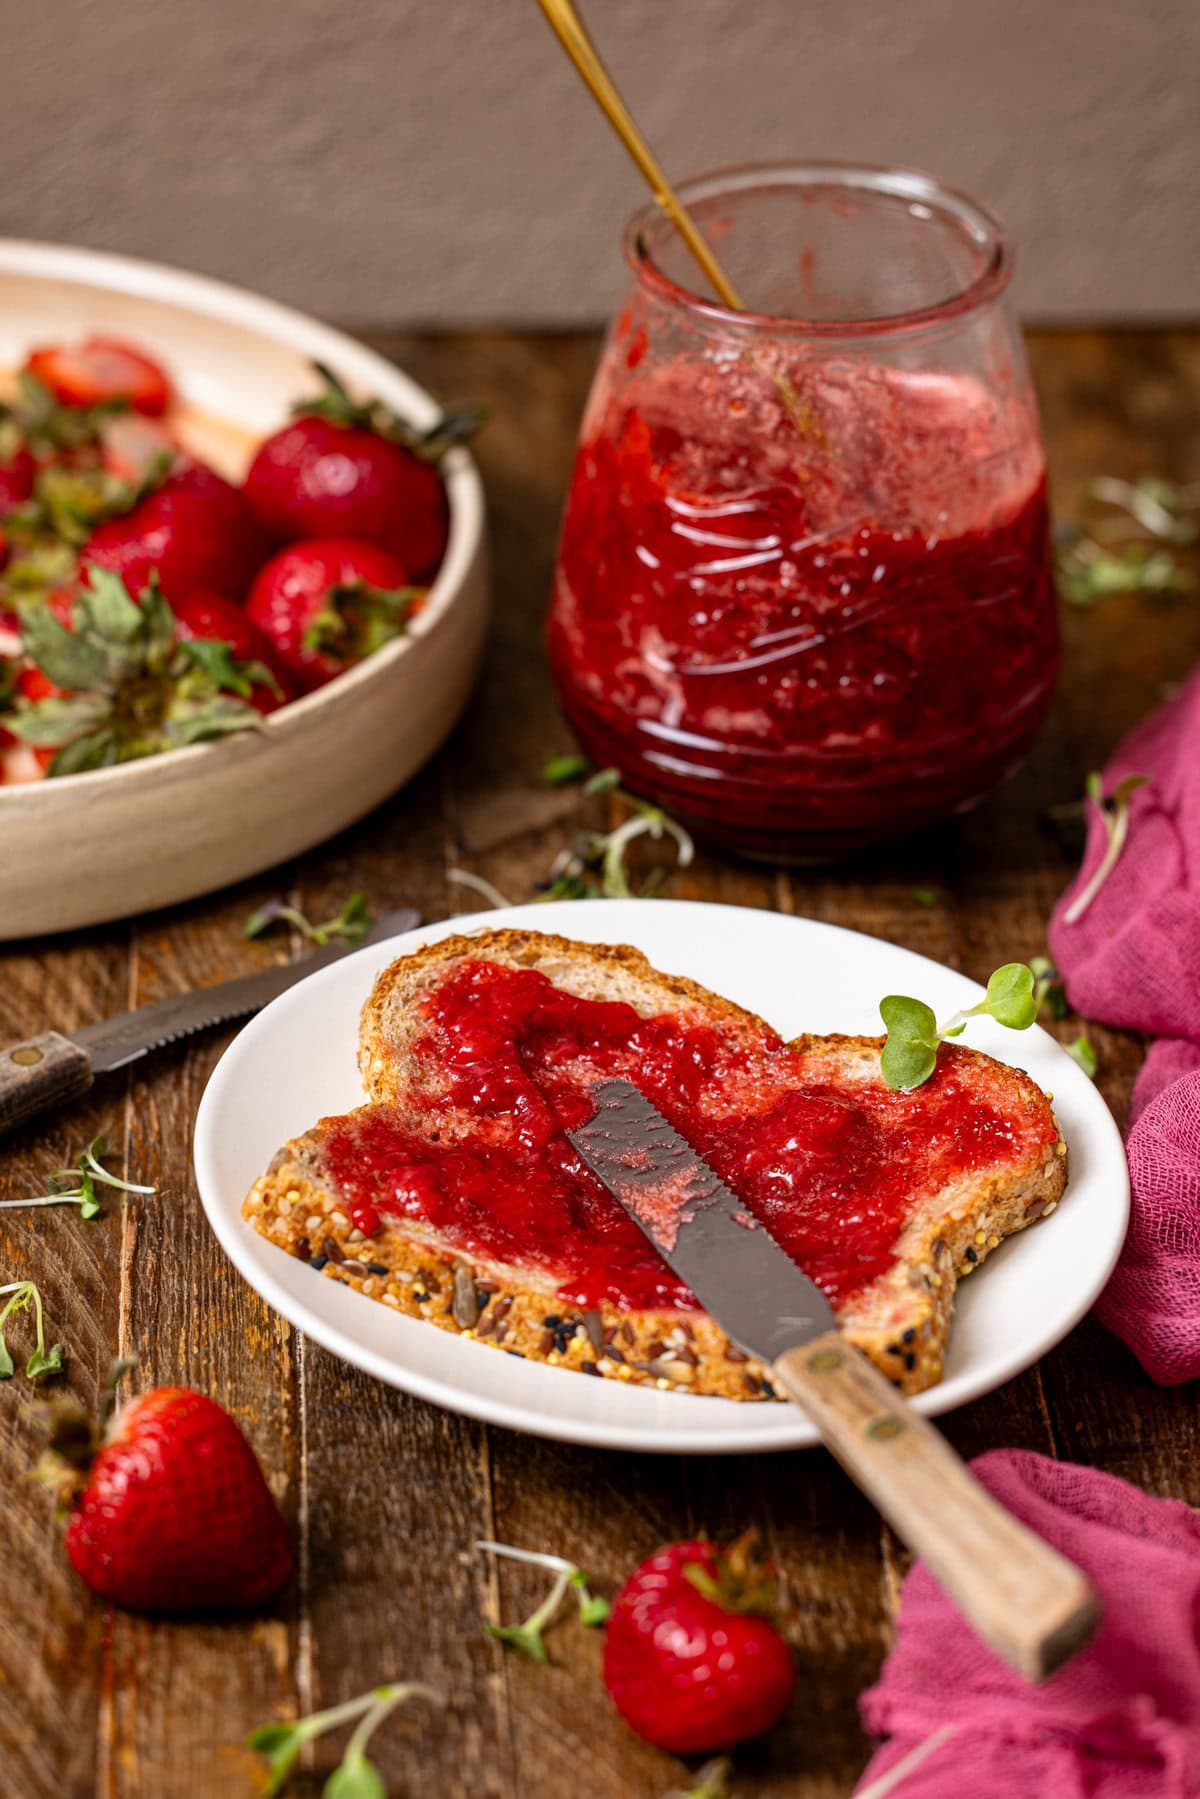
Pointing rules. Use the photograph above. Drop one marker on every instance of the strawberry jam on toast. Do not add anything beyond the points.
(453, 1194)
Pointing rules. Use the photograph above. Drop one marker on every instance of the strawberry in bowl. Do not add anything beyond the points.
(349, 469)
(196, 530)
(106, 474)
(102, 370)
(329, 602)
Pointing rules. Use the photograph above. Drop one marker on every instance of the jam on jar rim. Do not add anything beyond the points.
(832, 1172)
(914, 185)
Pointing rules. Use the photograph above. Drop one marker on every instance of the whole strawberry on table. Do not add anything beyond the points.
(257, 594)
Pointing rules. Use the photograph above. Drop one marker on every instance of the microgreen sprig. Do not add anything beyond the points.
(567, 1578)
(1114, 815)
(560, 771)
(711, 1781)
(42, 1361)
(351, 923)
(594, 866)
(1103, 559)
(76, 1186)
(1083, 1051)
(356, 1776)
(909, 1054)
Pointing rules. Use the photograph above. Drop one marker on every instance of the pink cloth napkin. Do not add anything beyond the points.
(1133, 959)
(1120, 1721)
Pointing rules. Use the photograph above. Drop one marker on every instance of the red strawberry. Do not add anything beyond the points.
(171, 1512)
(347, 470)
(16, 479)
(194, 531)
(689, 1661)
(209, 615)
(329, 602)
(102, 368)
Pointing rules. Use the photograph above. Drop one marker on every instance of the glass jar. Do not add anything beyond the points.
(803, 597)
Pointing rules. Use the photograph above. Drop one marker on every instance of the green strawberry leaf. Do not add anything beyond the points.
(7, 1366)
(215, 659)
(108, 610)
(64, 657)
(48, 723)
(197, 721)
(82, 755)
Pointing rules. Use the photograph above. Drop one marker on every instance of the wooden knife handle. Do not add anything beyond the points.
(1028, 1602)
(39, 1075)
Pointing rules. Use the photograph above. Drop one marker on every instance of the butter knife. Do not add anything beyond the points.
(1028, 1602)
(51, 1069)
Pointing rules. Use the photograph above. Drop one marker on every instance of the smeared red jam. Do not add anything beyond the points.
(832, 1174)
(804, 643)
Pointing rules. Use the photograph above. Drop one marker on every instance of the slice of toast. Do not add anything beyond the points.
(968, 1159)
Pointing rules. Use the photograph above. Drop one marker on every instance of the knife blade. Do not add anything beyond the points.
(712, 1243)
(1034, 1608)
(53, 1068)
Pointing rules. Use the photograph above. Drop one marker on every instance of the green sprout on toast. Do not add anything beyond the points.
(909, 1053)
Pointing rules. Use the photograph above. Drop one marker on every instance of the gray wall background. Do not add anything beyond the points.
(417, 161)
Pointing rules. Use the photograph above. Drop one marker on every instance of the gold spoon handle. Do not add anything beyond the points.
(571, 33)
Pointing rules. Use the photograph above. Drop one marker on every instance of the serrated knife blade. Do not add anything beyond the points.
(1033, 1606)
(53, 1068)
(734, 1267)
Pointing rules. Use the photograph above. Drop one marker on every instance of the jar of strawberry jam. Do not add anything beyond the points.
(803, 596)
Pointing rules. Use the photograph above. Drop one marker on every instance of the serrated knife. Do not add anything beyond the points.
(1026, 1600)
(52, 1069)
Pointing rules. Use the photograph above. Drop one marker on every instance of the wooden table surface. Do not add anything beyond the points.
(386, 1495)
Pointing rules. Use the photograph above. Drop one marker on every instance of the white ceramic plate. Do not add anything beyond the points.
(85, 848)
(296, 1062)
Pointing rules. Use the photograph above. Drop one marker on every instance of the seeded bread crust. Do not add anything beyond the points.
(901, 1322)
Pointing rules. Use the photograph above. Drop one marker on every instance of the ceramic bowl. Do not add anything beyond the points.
(82, 849)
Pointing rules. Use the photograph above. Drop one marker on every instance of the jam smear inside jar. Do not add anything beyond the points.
(803, 596)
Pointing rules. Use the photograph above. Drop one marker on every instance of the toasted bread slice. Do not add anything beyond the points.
(486, 1283)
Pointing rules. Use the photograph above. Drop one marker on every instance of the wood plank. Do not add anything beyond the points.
(184, 1693)
(388, 1495)
(52, 1637)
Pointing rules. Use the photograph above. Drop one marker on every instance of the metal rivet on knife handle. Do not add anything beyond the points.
(36, 1076)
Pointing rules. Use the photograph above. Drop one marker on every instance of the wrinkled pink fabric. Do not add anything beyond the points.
(1133, 959)
(1119, 1721)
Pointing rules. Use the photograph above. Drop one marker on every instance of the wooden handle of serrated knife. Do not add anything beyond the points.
(1028, 1602)
(38, 1075)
